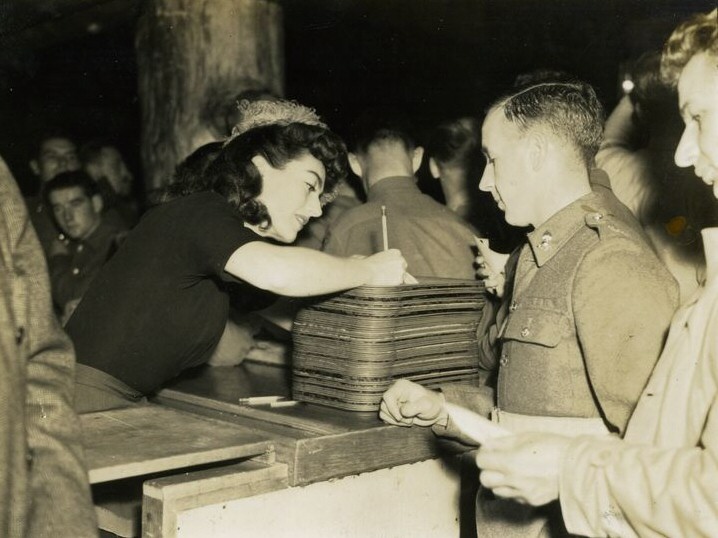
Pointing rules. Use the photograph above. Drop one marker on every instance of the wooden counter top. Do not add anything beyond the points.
(138, 441)
(316, 442)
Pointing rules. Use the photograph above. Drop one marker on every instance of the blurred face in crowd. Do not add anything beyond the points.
(77, 214)
(698, 102)
(56, 155)
(291, 194)
(112, 167)
(507, 175)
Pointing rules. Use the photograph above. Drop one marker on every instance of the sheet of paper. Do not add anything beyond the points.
(409, 279)
(473, 425)
(495, 261)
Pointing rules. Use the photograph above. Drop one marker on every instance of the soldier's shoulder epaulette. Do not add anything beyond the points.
(606, 225)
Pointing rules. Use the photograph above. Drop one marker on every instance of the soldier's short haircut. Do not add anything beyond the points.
(569, 110)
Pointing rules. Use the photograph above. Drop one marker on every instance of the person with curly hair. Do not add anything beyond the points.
(161, 304)
(661, 479)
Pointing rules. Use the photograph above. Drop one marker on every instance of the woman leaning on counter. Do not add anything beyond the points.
(161, 303)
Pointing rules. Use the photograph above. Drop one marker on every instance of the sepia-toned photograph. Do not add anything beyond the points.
(358, 268)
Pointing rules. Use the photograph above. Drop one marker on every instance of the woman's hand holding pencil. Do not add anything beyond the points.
(387, 268)
(407, 278)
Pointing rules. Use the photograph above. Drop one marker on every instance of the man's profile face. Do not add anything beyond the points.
(56, 155)
(506, 175)
(76, 214)
(698, 102)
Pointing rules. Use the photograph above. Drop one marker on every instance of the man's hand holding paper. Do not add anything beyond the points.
(490, 267)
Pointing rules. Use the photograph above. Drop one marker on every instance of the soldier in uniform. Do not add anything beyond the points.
(586, 303)
(660, 479)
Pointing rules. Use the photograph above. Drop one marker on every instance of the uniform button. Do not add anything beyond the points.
(80, 248)
(75, 271)
(19, 335)
(514, 305)
(504, 360)
(525, 332)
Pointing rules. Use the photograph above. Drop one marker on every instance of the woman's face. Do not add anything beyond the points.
(290, 194)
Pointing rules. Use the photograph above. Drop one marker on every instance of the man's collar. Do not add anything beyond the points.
(548, 238)
(598, 177)
(553, 234)
(391, 184)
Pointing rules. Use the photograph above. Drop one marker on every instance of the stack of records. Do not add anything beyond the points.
(350, 347)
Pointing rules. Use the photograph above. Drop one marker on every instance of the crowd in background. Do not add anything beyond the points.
(600, 231)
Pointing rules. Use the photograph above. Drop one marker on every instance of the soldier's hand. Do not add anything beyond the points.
(406, 403)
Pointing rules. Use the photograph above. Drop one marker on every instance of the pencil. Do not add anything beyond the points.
(384, 233)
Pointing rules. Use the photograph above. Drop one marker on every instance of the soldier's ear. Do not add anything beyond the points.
(537, 150)
(35, 167)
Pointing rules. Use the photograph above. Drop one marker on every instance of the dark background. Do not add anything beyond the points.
(433, 59)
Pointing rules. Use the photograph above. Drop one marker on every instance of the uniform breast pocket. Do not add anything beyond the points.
(537, 325)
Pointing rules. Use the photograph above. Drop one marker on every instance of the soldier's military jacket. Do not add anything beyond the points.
(583, 319)
(44, 490)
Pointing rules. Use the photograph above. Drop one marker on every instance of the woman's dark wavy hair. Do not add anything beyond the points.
(190, 175)
(233, 174)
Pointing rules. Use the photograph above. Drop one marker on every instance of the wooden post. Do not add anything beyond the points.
(193, 57)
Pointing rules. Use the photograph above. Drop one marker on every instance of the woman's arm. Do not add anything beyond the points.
(620, 128)
(302, 272)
